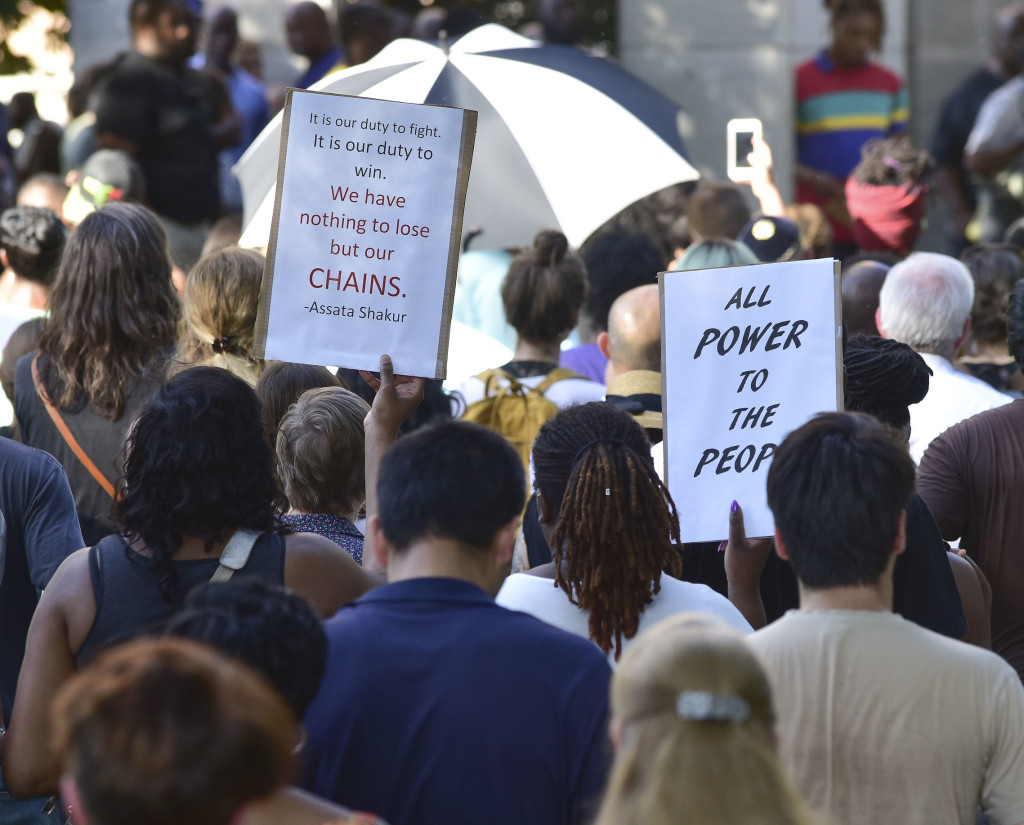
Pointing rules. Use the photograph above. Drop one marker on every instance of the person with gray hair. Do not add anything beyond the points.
(926, 302)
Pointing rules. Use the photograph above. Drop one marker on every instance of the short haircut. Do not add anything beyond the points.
(717, 210)
(925, 301)
(837, 486)
(265, 626)
(33, 240)
(544, 289)
(166, 731)
(838, 9)
(452, 480)
(145, 12)
(616, 262)
(320, 452)
(996, 268)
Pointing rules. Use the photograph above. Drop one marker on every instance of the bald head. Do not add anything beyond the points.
(634, 331)
(862, 283)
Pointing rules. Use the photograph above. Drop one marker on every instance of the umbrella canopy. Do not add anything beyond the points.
(564, 140)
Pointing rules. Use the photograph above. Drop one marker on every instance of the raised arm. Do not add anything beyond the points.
(397, 397)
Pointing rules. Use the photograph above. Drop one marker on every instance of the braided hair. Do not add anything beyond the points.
(617, 528)
(883, 378)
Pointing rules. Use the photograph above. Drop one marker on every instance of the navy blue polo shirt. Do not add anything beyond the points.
(439, 706)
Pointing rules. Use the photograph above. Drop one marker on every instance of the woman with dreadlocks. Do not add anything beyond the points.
(614, 531)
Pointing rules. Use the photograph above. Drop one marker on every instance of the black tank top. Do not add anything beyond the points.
(127, 590)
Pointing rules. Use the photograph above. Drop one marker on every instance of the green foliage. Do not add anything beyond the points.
(12, 13)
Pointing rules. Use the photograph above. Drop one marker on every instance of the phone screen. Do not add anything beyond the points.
(744, 146)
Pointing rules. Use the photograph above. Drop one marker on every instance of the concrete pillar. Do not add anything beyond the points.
(722, 59)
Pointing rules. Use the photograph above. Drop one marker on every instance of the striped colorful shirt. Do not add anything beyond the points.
(837, 112)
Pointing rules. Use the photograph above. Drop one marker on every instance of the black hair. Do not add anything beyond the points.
(544, 289)
(892, 161)
(839, 9)
(271, 629)
(33, 239)
(883, 378)
(1015, 324)
(616, 262)
(837, 486)
(452, 480)
(197, 464)
(145, 12)
(996, 269)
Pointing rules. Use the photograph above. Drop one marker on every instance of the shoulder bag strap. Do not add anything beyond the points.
(235, 555)
(557, 374)
(65, 433)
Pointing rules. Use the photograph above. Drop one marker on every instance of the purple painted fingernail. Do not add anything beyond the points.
(734, 508)
(721, 547)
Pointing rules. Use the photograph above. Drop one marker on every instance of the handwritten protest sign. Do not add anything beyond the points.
(750, 353)
(366, 232)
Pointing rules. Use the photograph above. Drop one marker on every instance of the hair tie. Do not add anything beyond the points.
(590, 444)
(704, 706)
(892, 163)
(223, 344)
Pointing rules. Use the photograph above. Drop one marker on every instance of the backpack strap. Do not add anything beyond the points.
(557, 374)
(235, 555)
(65, 433)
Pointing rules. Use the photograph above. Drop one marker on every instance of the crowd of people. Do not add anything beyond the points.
(235, 590)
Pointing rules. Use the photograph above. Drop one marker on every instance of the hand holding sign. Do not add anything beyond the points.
(366, 232)
(758, 355)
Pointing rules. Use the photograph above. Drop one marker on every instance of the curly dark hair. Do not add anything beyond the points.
(996, 269)
(33, 239)
(883, 378)
(617, 527)
(271, 629)
(197, 464)
(892, 161)
(616, 262)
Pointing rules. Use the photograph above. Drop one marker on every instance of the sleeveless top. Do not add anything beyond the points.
(127, 590)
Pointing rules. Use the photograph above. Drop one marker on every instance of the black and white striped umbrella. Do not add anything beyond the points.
(564, 139)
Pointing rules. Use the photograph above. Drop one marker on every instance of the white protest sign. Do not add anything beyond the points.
(750, 354)
(366, 232)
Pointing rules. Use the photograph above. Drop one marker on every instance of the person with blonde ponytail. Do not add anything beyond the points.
(693, 730)
(222, 295)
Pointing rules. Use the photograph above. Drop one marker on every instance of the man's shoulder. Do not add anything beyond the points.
(871, 636)
(19, 460)
(480, 623)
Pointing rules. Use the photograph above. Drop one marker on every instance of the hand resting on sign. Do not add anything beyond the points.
(744, 561)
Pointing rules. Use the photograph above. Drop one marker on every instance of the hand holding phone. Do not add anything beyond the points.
(742, 136)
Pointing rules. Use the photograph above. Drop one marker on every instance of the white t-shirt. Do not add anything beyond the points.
(952, 397)
(882, 721)
(541, 598)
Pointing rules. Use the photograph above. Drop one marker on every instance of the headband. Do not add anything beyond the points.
(704, 706)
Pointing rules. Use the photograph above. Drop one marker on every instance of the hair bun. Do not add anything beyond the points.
(549, 247)
(886, 371)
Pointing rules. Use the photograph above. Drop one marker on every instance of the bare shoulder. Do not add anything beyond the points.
(70, 595)
(317, 568)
